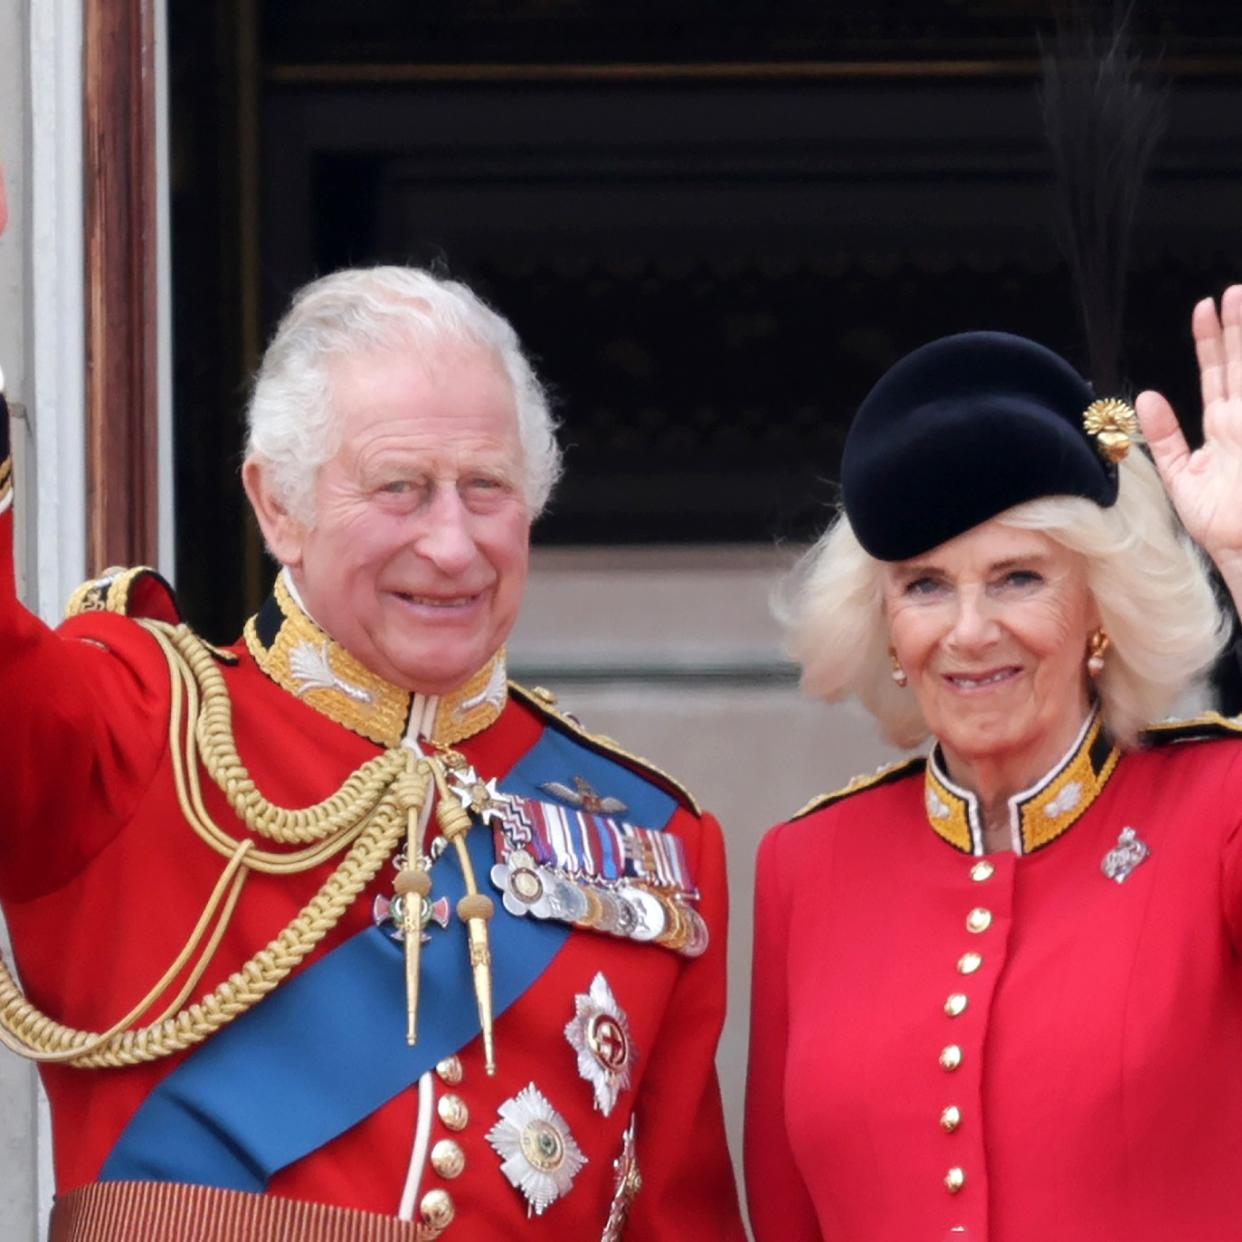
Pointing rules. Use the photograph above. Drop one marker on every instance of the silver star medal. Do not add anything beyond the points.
(600, 1034)
(537, 1152)
(479, 797)
(1127, 854)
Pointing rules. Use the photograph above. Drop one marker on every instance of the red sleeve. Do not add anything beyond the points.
(83, 725)
(780, 1206)
(1231, 855)
(688, 1188)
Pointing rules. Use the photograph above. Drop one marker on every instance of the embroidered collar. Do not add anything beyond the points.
(1038, 815)
(296, 654)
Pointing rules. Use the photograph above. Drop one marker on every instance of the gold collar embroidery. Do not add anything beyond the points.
(1037, 815)
(296, 654)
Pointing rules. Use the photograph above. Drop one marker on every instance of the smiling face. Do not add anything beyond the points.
(991, 629)
(417, 560)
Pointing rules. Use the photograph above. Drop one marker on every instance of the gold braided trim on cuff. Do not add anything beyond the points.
(174, 1212)
(6, 479)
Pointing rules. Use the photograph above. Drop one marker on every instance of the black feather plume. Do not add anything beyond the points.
(1103, 121)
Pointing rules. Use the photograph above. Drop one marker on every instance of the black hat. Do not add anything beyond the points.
(967, 427)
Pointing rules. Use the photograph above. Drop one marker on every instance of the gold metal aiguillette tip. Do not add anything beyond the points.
(475, 909)
(412, 886)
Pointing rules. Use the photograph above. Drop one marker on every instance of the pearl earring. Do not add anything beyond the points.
(1097, 647)
(899, 673)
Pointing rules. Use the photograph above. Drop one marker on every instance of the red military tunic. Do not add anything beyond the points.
(1017, 1048)
(102, 881)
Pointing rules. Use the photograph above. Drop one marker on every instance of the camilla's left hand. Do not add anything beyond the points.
(1206, 485)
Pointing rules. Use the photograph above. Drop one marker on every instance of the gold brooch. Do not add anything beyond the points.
(1113, 424)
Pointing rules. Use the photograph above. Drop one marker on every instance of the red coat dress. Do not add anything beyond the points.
(1017, 1048)
(102, 880)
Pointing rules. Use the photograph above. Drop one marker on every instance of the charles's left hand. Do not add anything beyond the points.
(1206, 485)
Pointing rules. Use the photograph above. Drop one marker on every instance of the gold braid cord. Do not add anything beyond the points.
(366, 817)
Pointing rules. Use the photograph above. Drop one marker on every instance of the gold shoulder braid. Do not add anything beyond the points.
(881, 776)
(544, 702)
(365, 817)
(1201, 728)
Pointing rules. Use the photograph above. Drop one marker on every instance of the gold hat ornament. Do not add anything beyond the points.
(1114, 425)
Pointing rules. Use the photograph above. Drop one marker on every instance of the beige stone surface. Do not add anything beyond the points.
(674, 652)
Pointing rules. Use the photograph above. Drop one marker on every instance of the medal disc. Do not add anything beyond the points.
(609, 912)
(627, 916)
(525, 884)
(566, 901)
(700, 937)
(650, 912)
(595, 908)
(677, 929)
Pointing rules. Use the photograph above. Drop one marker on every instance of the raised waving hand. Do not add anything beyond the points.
(1206, 485)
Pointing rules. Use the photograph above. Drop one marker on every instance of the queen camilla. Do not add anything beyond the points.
(997, 989)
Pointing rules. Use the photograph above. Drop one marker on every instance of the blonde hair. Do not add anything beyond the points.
(1149, 581)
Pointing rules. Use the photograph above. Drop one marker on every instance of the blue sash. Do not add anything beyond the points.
(327, 1048)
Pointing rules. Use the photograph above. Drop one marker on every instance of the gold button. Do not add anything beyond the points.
(453, 1112)
(448, 1159)
(956, 1004)
(954, 1180)
(950, 1057)
(449, 1070)
(979, 919)
(436, 1211)
(982, 870)
(968, 963)
(950, 1119)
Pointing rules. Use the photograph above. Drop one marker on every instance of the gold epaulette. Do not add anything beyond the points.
(140, 593)
(137, 592)
(1199, 728)
(544, 702)
(884, 776)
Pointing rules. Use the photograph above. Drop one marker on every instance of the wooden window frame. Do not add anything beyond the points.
(119, 145)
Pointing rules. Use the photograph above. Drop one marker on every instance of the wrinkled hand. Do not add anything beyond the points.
(1206, 485)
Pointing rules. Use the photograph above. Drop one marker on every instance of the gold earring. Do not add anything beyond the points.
(1097, 647)
(899, 673)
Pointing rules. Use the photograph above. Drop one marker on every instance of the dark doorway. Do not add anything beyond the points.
(713, 224)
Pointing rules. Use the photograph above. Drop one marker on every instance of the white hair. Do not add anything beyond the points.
(293, 428)
(1150, 584)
